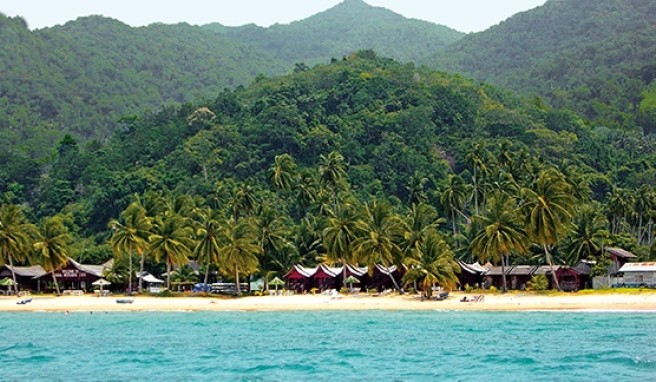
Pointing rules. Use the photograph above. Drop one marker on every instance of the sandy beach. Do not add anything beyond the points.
(643, 301)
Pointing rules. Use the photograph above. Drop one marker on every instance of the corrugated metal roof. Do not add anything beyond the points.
(638, 267)
(31, 271)
(522, 270)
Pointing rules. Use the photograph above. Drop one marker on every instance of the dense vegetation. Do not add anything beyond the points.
(364, 160)
(343, 29)
(592, 56)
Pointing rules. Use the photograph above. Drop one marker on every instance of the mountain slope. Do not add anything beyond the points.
(593, 56)
(349, 26)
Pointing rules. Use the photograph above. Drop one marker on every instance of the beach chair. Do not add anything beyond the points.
(24, 301)
(441, 296)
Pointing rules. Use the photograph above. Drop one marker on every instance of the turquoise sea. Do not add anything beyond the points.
(328, 346)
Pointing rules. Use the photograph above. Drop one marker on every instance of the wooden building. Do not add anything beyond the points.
(26, 277)
(638, 275)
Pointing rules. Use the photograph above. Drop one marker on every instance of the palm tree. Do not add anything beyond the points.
(239, 248)
(453, 197)
(431, 264)
(273, 236)
(283, 172)
(51, 248)
(208, 246)
(547, 205)
(131, 235)
(331, 170)
(379, 238)
(171, 242)
(15, 237)
(243, 201)
(589, 234)
(184, 274)
(478, 157)
(342, 228)
(422, 219)
(416, 189)
(620, 202)
(501, 233)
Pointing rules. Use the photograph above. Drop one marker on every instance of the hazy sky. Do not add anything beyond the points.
(462, 15)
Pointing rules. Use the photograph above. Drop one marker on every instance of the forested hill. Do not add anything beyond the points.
(400, 129)
(343, 29)
(593, 56)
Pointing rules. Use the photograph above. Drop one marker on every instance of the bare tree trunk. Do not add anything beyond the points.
(554, 277)
(142, 259)
(207, 273)
(54, 278)
(168, 274)
(503, 274)
(237, 280)
(130, 274)
(13, 275)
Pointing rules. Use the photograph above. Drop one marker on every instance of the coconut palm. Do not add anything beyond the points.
(379, 238)
(16, 235)
(243, 201)
(422, 219)
(620, 203)
(184, 275)
(331, 170)
(501, 232)
(171, 241)
(342, 228)
(417, 189)
(239, 248)
(588, 236)
(131, 234)
(51, 247)
(547, 206)
(477, 158)
(453, 198)
(283, 172)
(273, 235)
(208, 245)
(433, 263)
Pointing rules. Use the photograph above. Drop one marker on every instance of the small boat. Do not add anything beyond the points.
(124, 300)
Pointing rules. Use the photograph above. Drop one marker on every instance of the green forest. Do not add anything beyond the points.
(360, 159)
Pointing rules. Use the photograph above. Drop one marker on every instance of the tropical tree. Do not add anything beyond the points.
(239, 248)
(171, 241)
(422, 219)
(184, 274)
(343, 226)
(243, 201)
(477, 158)
(283, 172)
(620, 203)
(16, 237)
(273, 236)
(547, 206)
(117, 273)
(417, 189)
(501, 233)
(432, 263)
(131, 234)
(51, 247)
(208, 237)
(453, 198)
(589, 234)
(379, 237)
(332, 170)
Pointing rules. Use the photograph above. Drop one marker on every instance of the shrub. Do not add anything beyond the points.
(538, 283)
(493, 289)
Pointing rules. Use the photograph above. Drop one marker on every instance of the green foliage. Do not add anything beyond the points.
(538, 283)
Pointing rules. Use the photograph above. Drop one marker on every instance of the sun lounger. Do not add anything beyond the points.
(477, 298)
(124, 300)
(24, 301)
(441, 296)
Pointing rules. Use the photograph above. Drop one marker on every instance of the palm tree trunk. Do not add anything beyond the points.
(130, 274)
(142, 259)
(54, 278)
(237, 280)
(475, 191)
(554, 277)
(504, 288)
(396, 285)
(168, 274)
(207, 273)
(13, 274)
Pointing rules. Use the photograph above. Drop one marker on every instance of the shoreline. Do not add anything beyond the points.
(604, 302)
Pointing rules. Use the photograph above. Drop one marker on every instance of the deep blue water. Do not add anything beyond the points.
(328, 346)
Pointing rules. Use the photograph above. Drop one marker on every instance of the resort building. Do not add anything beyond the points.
(638, 275)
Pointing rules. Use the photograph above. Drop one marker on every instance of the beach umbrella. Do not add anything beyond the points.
(101, 283)
(276, 282)
(352, 280)
(7, 281)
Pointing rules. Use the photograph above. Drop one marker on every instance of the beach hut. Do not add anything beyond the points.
(299, 278)
(619, 257)
(494, 277)
(639, 274)
(26, 277)
(471, 274)
(382, 276)
(75, 278)
(519, 275)
(327, 277)
(152, 283)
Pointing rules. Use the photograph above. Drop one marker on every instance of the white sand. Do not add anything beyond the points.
(639, 301)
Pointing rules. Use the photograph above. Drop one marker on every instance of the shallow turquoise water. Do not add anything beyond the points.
(328, 346)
